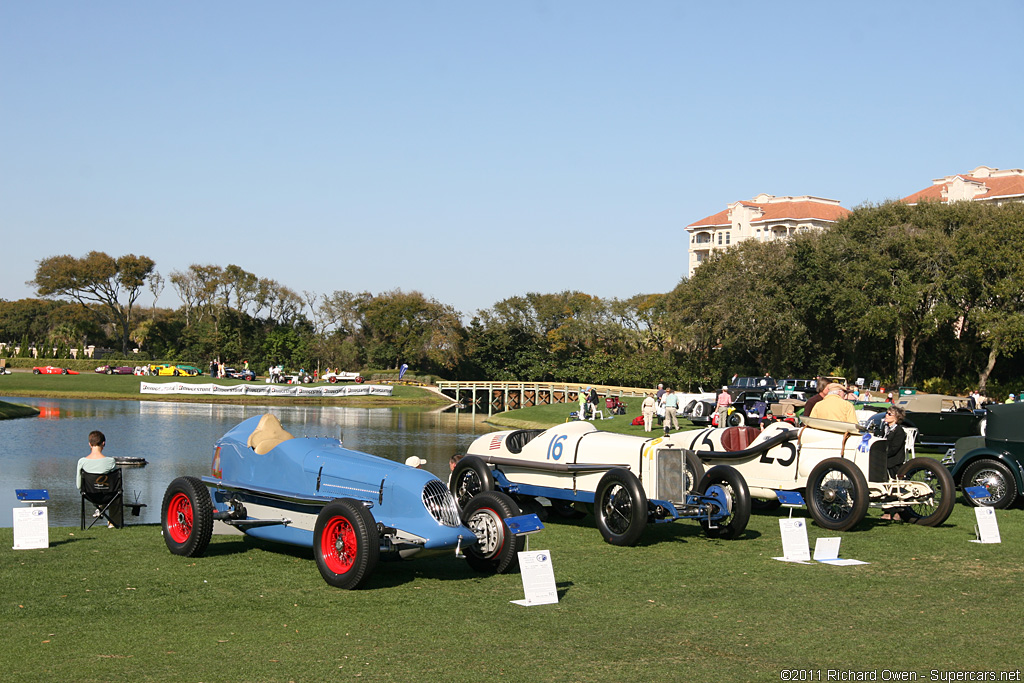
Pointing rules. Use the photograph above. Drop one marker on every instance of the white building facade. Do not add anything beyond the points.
(983, 184)
(765, 217)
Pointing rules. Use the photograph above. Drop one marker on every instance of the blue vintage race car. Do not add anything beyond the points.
(352, 508)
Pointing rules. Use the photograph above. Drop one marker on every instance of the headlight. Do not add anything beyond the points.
(441, 504)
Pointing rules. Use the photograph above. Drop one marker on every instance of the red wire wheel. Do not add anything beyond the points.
(187, 517)
(179, 518)
(346, 543)
(339, 543)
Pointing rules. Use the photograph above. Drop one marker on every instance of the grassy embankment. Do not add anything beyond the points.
(12, 410)
(115, 605)
(93, 385)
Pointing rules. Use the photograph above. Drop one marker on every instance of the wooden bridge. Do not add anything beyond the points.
(501, 396)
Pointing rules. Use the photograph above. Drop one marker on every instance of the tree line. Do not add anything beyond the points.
(930, 294)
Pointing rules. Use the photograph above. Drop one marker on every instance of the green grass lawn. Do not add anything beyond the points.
(115, 605)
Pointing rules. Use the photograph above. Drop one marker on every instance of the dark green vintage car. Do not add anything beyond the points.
(994, 461)
(939, 420)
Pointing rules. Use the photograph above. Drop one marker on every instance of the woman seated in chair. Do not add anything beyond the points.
(95, 462)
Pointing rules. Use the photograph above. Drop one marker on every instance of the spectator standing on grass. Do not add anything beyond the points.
(647, 409)
(671, 408)
(722, 406)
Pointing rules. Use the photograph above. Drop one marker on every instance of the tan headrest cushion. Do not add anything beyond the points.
(268, 433)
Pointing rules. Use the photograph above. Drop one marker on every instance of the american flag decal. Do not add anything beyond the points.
(495, 442)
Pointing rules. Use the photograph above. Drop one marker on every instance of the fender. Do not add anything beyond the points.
(767, 444)
(992, 454)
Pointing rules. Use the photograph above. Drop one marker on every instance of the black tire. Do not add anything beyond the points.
(63, 371)
(995, 477)
(470, 477)
(186, 516)
(732, 483)
(35, 371)
(342, 524)
(496, 550)
(933, 473)
(837, 494)
(694, 472)
(698, 409)
(110, 371)
(176, 373)
(688, 409)
(620, 507)
(736, 419)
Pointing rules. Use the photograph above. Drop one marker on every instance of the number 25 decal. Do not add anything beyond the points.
(555, 447)
(785, 463)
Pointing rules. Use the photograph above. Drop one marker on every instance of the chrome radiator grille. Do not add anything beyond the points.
(671, 477)
(441, 503)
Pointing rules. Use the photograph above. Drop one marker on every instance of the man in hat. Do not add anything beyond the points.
(722, 406)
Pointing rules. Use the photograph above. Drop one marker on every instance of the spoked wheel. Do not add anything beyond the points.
(997, 480)
(728, 486)
(496, 550)
(470, 477)
(929, 471)
(837, 494)
(346, 544)
(620, 507)
(187, 517)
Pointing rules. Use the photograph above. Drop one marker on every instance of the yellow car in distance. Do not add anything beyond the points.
(166, 370)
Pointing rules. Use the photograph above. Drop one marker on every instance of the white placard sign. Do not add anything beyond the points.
(987, 527)
(538, 578)
(794, 540)
(31, 528)
(826, 551)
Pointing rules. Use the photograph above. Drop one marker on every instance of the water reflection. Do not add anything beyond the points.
(177, 439)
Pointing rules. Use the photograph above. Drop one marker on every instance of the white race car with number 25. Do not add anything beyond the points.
(839, 470)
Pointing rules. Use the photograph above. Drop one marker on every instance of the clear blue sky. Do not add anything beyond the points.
(474, 150)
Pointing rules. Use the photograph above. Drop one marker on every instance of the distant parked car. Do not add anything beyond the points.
(994, 460)
(167, 370)
(115, 370)
(748, 407)
(939, 420)
(52, 370)
(247, 375)
(334, 377)
(190, 370)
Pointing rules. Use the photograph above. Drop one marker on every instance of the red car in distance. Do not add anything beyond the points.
(51, 370)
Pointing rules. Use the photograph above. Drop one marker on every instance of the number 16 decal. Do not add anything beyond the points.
(555, 447)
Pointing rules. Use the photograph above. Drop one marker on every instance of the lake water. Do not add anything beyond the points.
(177, 440)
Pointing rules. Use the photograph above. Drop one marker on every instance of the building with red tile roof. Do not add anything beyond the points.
(983, 184)
(765, 217)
